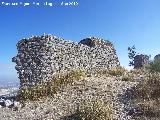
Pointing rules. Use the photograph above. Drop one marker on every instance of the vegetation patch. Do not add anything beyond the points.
(155, 66)
(118, 71)
(51, 87)
(149, 88)
(92, 110)
(147, 97)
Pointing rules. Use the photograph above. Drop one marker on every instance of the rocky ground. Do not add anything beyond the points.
(109, 89)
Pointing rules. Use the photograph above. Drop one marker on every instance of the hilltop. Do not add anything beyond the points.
(108, 95)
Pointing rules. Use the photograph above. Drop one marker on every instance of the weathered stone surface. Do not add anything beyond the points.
(157, 57)
(141, 61)
(39, 58)
(92, 42)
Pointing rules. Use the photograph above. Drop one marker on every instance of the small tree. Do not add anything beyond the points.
(131, 54)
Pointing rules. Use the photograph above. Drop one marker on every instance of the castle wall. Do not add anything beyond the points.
(141, 61)
(157, 57)
(39, 58)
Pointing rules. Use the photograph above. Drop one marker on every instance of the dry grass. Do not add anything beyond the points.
(51, 87)
(127, 77)
(135, 75)
(140, 71)
(149, 88)
(118, 71)
(92, 110)
(147, 97)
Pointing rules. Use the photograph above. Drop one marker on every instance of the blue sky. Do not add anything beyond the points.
(124, 22)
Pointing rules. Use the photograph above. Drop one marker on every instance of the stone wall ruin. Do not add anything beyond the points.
(157, 57)
(40, 57)
(141, 61)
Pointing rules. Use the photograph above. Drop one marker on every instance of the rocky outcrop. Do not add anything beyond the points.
(141, 61)
(40, 57)
(157, 57)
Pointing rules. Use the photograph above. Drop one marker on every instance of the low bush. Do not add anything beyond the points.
(147, 96)
(94, 110)
(155, 66)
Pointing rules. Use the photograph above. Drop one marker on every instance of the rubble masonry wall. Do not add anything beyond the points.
(40, 57)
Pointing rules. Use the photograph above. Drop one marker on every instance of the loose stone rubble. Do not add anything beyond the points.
(40, 57)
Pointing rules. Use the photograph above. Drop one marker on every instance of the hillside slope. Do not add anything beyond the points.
(64, 104)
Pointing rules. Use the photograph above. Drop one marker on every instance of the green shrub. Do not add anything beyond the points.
(94, 110)
(155, 66)
(131, 54)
